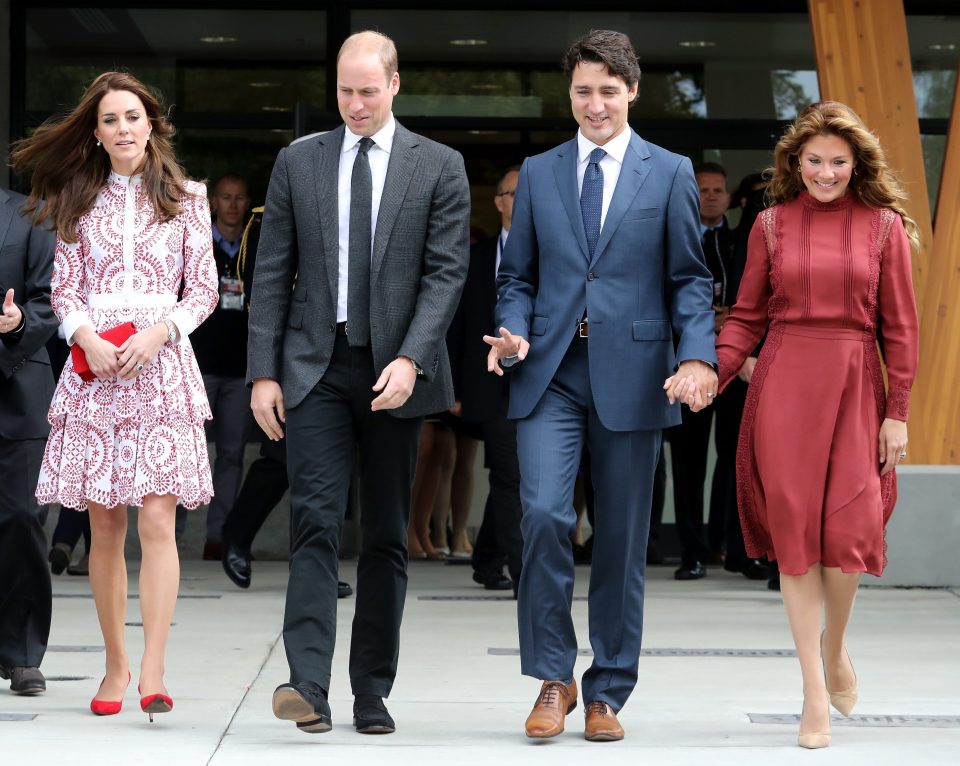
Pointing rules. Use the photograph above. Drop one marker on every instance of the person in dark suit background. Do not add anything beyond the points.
(602, 267)
(483, 400)
(362, 257)
(26, 388)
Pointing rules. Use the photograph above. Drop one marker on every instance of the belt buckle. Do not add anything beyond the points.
(583, 328)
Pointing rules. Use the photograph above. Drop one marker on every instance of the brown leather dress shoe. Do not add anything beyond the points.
(555, 702)
(601, 724)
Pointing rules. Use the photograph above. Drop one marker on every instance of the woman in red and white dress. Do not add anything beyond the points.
(133, 245)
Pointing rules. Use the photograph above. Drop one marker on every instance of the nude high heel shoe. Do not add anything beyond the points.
(844, 700)
(816, 739)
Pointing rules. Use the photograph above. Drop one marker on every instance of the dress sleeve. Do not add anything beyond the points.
(68, 286)
(200, 289)
(898, 320)
(748, 319)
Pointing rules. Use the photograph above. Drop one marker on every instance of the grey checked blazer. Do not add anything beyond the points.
(421, 249)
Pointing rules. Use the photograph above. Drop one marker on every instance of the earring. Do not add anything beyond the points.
(98, 142)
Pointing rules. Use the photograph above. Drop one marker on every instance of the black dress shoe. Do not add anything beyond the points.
(583, 554)
(236, 563)
(774, 582)
(692, 571)
(370, 715)
(59, 558)
(493, 580)
(24, 680)
(752, 569)
(309, 708)
(654, 556)
(343, 589)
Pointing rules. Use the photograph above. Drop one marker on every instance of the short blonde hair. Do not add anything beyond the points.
(375, 42)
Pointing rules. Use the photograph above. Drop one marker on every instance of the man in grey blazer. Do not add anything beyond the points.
(362, 257)
(602, 267)
(26, 388)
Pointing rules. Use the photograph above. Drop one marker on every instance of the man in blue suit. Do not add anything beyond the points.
(602, 267)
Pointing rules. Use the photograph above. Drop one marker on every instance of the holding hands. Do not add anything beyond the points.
(694, 384)
(508, 349)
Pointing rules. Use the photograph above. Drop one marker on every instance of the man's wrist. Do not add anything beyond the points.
(416, 367)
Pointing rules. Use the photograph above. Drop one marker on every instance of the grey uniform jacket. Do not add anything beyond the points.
(420, 253)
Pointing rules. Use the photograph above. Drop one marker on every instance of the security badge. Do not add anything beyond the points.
(231, 294)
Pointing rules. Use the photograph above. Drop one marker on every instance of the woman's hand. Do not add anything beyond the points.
(893, 444)
(101, 354)
(140, 349)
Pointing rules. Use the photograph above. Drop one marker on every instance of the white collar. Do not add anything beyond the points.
(615, 147)
(382, 138)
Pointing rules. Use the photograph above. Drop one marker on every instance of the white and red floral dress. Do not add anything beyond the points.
(115, 441)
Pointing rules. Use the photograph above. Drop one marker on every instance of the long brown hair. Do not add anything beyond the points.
(69, 169)
(873, 181)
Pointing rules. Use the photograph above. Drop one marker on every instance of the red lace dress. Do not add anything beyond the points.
(115, 441)
(822, 277)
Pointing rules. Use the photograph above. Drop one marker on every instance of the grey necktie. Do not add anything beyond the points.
(359, 250)
(591, 199)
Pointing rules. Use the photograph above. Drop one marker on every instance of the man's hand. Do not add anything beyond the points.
(504, 347)
(394, 385)
(720, 314)
(694, 384)
(746, 372)
(11, 317)
(266, 401)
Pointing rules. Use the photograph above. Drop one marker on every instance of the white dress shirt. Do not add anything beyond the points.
(501, 243)
(379, 156)
(610, 165)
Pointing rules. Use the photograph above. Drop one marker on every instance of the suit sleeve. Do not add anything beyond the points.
(518, 277)
(274, 272)
(200, 289)
(898, 317)
(446, 253)
(748, 318)
(39, 322)
(688, 285)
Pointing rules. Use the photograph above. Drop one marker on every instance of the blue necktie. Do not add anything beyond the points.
(591, 199)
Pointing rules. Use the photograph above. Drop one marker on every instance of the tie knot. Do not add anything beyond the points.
(596, 155)
(365, 144)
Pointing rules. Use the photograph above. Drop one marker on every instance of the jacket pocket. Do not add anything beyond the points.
(295, 316)
(652, 329)
(539, 325)
(639, 215)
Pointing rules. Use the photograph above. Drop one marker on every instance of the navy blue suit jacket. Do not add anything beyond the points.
(646, 281)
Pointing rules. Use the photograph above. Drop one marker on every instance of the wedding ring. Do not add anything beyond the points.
(139, 368)
(710, 395)
(903, 455)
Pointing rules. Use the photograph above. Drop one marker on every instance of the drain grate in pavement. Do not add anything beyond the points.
(137, 595)
(74, 648)
(878, 721)
(673, 652)
(479, 598)
(69, 678)
(17, 716)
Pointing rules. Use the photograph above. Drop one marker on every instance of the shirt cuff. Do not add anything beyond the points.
(73, 322)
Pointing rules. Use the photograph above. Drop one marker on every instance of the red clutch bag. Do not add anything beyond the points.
(116, 335)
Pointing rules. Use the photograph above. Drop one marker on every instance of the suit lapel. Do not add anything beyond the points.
(632, 175)
(565, 170)
(327, 162)
(404, 156)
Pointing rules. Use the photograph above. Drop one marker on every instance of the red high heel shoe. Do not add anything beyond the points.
(155, 703)
(107, 707)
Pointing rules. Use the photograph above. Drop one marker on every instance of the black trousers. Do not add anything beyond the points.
(25, 593)
(723, 496)
(71, 526)
(323, 433)
(499, 540)
(262, 489)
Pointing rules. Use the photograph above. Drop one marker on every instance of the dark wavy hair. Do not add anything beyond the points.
(604, 46)
(69, 169)
(874, 183)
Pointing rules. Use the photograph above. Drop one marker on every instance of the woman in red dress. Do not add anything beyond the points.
(828, 275)
(133, 245)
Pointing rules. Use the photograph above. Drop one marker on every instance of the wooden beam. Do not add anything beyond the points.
(935, 408)
(863, 60)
